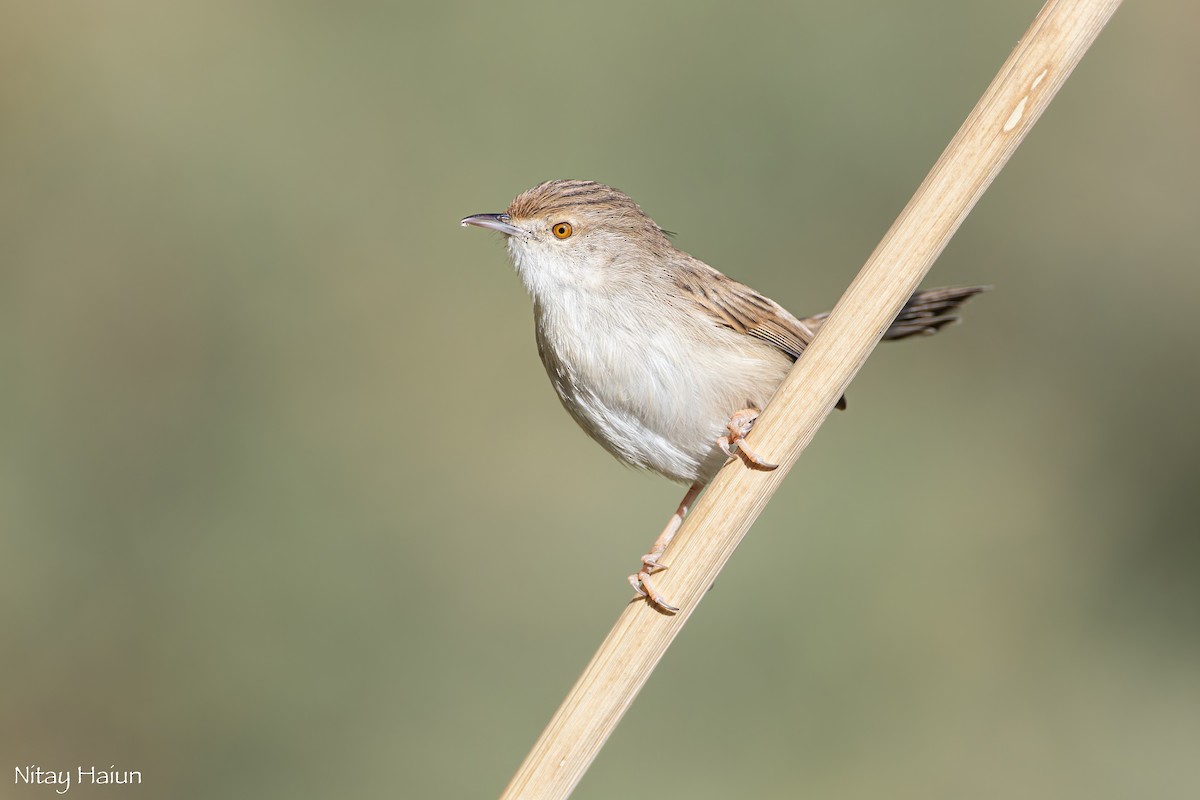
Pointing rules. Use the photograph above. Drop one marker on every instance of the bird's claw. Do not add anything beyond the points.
(733, 443)
(642, 585)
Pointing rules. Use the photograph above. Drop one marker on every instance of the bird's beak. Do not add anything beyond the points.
(495, 222)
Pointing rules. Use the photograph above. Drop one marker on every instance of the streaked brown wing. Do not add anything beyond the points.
(740, 308)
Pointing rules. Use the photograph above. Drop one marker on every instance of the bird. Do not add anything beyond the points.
(662, 359)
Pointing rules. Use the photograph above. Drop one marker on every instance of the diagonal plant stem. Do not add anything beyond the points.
(1021, 90)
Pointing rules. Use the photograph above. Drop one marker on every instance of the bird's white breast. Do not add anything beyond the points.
(652, 386)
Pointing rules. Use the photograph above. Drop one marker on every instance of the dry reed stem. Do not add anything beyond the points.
(1021, 90)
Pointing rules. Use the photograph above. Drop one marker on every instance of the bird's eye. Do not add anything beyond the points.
(562, 230)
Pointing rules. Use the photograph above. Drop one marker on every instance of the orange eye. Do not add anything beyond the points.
(562, 230)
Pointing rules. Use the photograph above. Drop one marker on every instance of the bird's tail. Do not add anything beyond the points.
(925, 312)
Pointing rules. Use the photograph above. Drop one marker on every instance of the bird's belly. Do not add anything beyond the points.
(651, 405)
(644, 431)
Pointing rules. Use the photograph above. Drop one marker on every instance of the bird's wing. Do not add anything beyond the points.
(738, 307)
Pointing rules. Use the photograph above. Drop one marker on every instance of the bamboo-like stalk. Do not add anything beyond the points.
(1021, 90)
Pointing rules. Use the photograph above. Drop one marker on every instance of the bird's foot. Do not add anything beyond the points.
(640, 580)
(644, 587)
(733, 442)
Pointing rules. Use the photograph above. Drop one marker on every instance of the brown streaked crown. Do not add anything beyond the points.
(563, 195)
(581, 197)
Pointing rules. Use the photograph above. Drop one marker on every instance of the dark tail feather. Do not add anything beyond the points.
(924, 313)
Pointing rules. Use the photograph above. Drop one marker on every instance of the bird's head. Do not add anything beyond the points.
(572, 234)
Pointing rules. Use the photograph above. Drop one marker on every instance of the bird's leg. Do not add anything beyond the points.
(733, 443)
(641, 580)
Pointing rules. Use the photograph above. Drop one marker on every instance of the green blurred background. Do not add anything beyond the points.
(288, 508)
